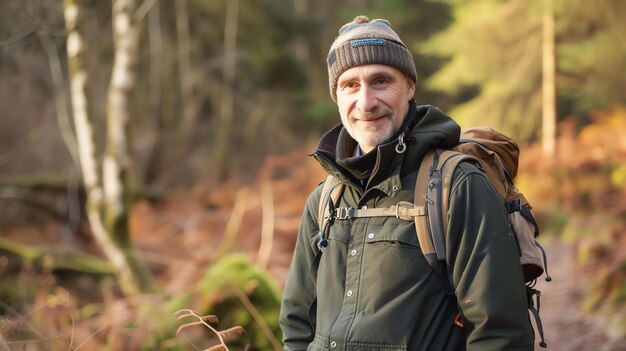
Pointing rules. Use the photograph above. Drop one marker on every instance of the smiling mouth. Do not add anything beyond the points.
(372, 120)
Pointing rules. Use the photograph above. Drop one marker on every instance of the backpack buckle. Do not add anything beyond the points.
(342, 213)
(402, 210)
(514, 206)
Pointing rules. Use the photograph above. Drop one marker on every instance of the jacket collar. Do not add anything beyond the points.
(425, 127)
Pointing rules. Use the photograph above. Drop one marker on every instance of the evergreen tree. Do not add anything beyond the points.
(494, 70)
(592, 54)
(494, 50)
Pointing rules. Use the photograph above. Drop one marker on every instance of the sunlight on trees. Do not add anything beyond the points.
(189, 122)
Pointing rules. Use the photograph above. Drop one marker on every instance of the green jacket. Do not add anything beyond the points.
(373, 289)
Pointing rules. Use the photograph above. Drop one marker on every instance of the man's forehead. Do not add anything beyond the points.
(364, 71)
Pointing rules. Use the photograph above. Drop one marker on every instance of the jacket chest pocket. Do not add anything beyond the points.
(392, 252)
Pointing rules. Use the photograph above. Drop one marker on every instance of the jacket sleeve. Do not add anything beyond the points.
(297, 314)
(484, 263)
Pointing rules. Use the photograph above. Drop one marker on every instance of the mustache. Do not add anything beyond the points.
(370, 115)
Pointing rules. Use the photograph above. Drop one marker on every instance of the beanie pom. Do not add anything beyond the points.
(361, 19)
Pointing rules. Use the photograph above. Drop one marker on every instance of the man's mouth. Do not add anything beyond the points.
(371, 120)
(372, 117)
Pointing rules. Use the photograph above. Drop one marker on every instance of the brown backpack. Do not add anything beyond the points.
(497, 157)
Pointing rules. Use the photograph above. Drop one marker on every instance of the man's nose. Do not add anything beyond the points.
(366, 99)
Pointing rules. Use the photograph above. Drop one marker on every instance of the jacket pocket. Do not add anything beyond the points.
(393, 263)
(399, 242)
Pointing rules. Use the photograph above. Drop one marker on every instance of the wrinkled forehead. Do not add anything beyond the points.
(370, 71)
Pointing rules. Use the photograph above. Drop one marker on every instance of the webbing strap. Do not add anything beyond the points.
(331, 191)
(448, 162)
(440, 173)
(432, 189)
(421, 227)
(535, 312)
(403, 210)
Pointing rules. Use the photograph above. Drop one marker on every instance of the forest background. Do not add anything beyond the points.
(153, 156)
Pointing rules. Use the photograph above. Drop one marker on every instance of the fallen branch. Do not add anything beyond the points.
(57, 259)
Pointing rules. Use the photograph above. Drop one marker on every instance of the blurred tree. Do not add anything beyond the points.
(223, 130)
(108, 195)
(155, 92)
(494, 68)
(185, 72)
(591, 53)
(495, 52)
(548, 88)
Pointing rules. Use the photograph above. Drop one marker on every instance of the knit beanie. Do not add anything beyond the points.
(363, 42)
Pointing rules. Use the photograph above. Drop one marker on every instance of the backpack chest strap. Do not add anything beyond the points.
(403, 210)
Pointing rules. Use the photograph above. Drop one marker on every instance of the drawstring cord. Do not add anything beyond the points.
(545, 263)
(401, 147)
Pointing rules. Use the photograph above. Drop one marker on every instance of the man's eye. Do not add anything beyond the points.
(350, 85)
(380, 81)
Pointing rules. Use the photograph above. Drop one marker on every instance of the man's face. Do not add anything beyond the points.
(373, 101)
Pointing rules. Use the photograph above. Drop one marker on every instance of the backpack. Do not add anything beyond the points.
(497, 156)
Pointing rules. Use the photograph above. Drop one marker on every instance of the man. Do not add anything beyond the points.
(371, 287)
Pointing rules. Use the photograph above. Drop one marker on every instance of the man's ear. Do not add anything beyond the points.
(411, 85)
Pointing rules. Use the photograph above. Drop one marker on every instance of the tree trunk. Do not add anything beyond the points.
(116, 165)
(60, 95)
(227, 104)
(185, 73)
(156, 92)
(549, 82)
(107, 197)
(301, 46)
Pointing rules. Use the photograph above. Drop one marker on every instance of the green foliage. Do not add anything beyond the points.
(265, 33)
(494, 67)
(227, 285)
(494, 50)
(319, 113)
(589, 59)
(618, 176)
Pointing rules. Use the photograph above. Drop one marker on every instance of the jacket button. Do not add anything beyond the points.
(333, 344)
(353, 252)
(349, 293)
(370, 236)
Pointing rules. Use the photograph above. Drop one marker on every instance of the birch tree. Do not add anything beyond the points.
(108, 193)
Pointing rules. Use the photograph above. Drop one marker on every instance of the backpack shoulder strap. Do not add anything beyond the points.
(421, 226)
(432, 189)
(331, 192)
(449, 160)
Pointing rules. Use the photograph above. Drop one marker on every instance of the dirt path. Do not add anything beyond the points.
(566, 327)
